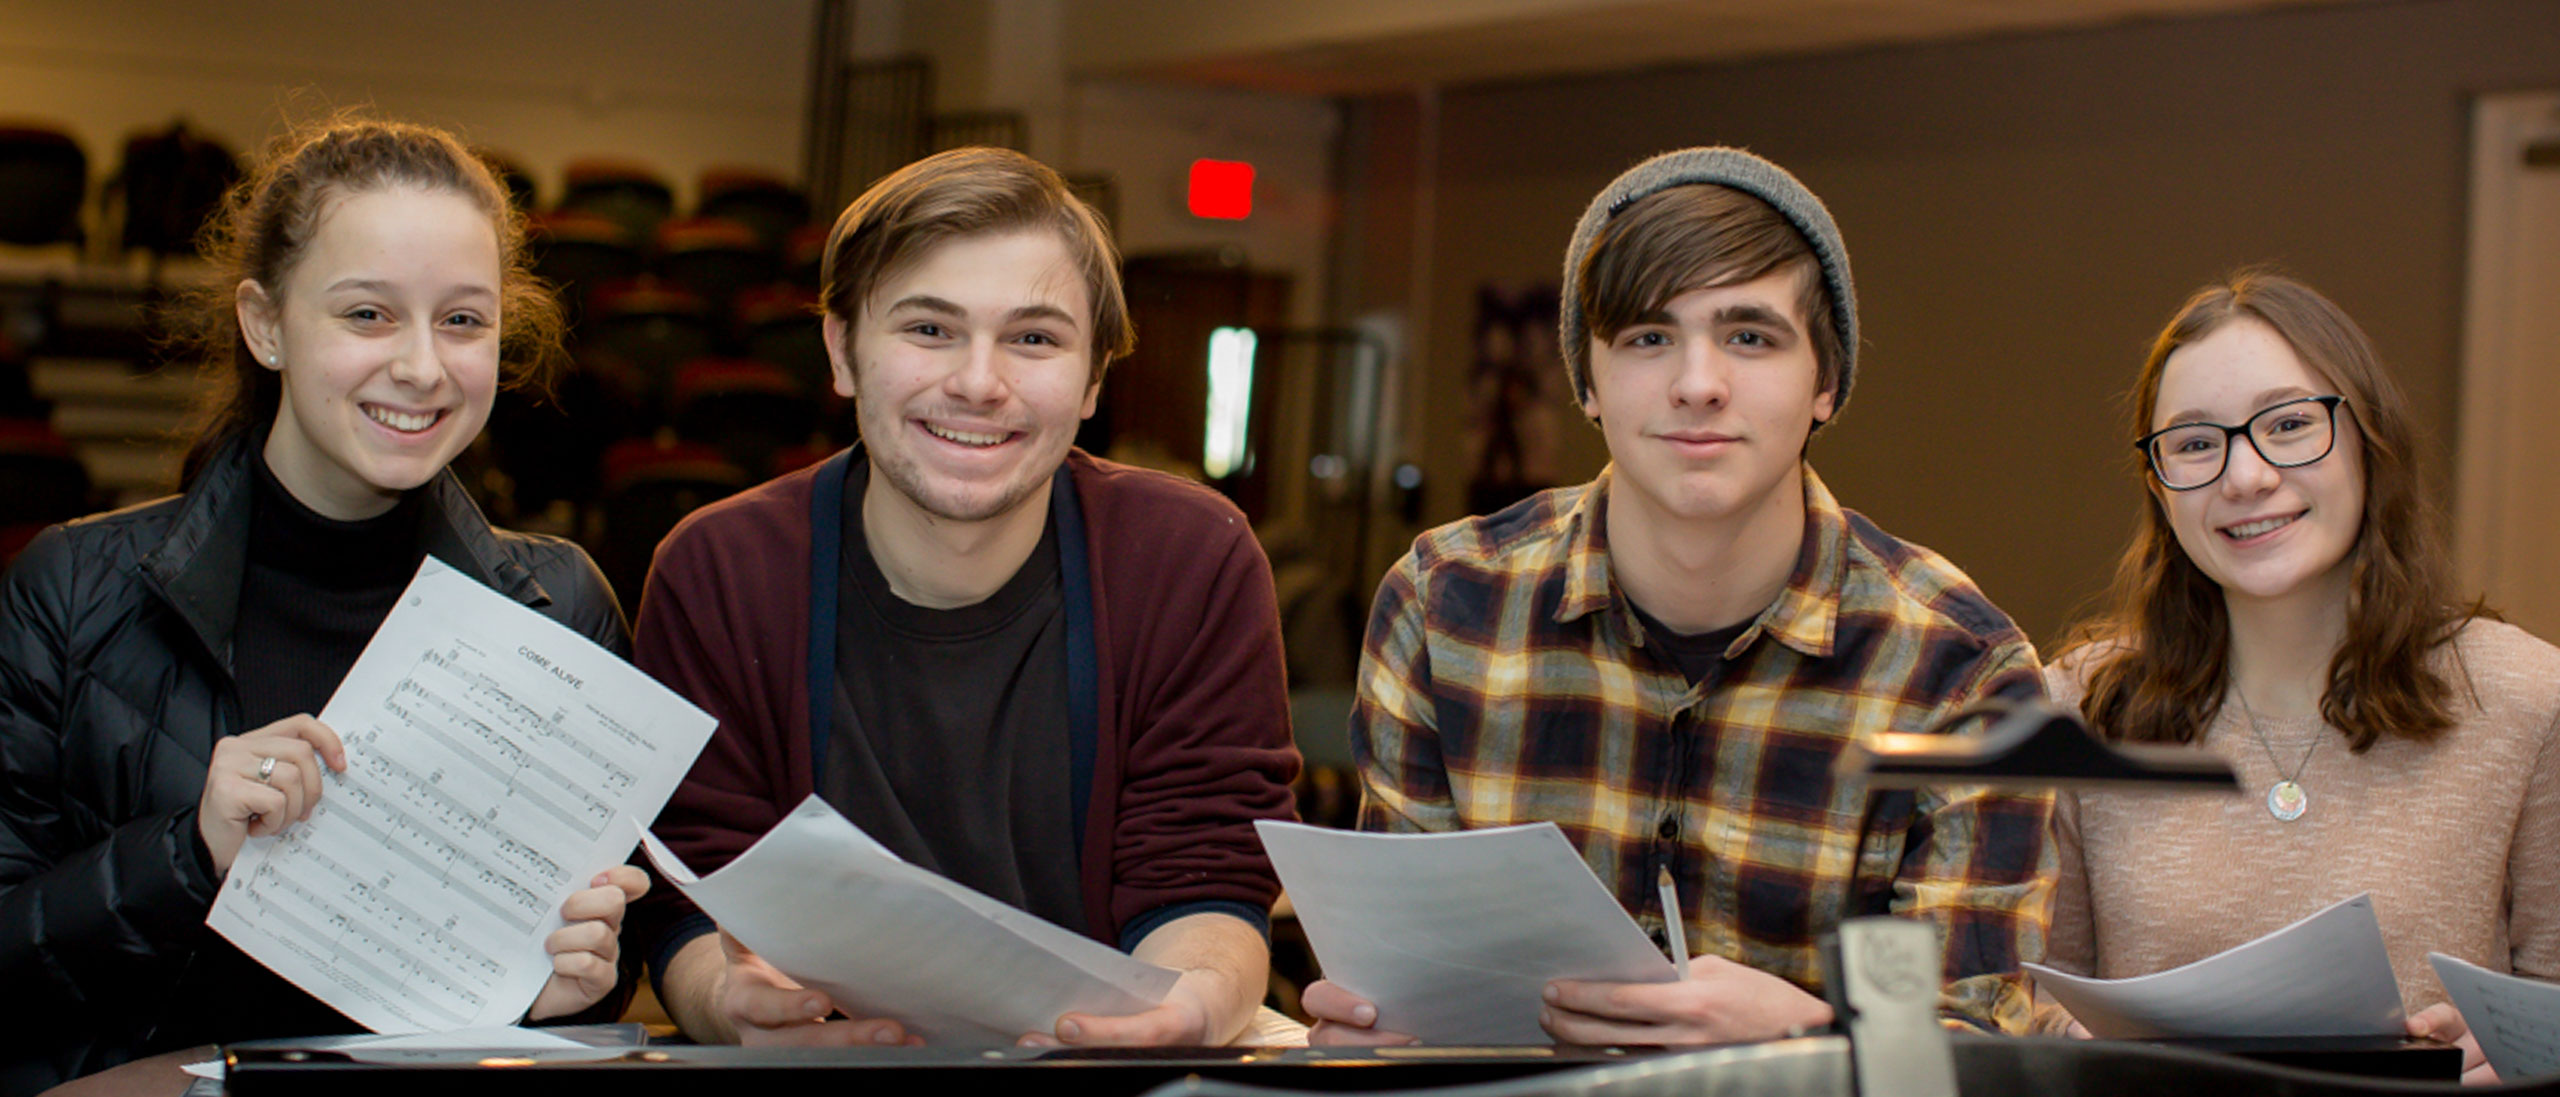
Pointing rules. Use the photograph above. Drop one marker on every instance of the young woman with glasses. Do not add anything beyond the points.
(2287, 603)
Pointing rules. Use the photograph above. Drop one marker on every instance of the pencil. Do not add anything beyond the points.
(1671, 921)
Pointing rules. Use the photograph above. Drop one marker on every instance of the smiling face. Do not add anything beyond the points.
(970, 370)
(1707, 401)
(2263, 533)
(386, 333)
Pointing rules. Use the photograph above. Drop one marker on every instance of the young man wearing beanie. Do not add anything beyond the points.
(1666, 662)
(1052, 678)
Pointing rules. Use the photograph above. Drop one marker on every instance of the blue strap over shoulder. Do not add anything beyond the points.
(1084, 673)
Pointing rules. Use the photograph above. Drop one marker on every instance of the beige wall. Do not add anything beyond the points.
(1146, 136)
(1010, 55)
(2023, 214)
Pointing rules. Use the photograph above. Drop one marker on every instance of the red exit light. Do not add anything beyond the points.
(1221, 189)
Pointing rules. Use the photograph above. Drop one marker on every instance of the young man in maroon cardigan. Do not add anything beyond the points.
(1052, 678)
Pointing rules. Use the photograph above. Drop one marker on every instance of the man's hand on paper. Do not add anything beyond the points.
(1225, 967)
(1344, 1019)
(2442, 1021)
(765, 1008)
(1720, 1002)
(584, 952)
(261, 781)
(1183, 1020)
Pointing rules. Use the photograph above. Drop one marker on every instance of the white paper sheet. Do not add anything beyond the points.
(2326, 975)
(508, 1038)
(511, 1041)
(496, 761)
(1455, 936)
(2516, 1020)
(825, 904)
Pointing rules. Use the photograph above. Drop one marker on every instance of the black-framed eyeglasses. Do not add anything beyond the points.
(2287, 435)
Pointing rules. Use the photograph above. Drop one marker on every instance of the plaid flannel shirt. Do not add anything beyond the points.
(1504, 680)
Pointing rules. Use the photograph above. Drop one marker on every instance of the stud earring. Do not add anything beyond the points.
(271, 358)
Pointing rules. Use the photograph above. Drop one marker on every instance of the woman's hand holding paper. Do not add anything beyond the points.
(262, 780)
(584, 952)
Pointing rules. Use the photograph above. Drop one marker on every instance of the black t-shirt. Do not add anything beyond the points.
(950, 741)
(1695, 653)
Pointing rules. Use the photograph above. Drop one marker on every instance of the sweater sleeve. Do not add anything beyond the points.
(2533, 872)
(2071, 944)
(93, 912)
(708, 641)
(1209, 747)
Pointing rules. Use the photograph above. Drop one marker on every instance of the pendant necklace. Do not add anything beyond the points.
(2286, 799)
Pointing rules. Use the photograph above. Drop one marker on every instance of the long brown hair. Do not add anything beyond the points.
(2161, 653)
(267, 220)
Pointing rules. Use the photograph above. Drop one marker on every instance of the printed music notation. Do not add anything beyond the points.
(483, 686)
(496, 763)
(405, 837)
(589, 822)
(416, 948)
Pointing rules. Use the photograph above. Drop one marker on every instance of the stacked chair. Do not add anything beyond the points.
(769, 206)
(577, 252)
(47, 483)
(650, 484)
(621, 191)
(699, 366)
(168, 185)
(44, 179)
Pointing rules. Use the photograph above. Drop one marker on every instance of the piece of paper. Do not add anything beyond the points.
(496, 762)
(825, 904)
(1455, 936)
(467, 1044)
(510, 1040)
(2326, 975)
(2516, 1020)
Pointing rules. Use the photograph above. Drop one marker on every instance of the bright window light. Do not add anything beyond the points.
(1222, 445)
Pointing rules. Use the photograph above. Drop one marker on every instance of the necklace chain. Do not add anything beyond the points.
(2263, 744)
(2286, 799)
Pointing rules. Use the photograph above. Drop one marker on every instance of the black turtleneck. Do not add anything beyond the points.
(314, 590)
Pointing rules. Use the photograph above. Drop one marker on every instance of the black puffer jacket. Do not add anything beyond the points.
(115, 681)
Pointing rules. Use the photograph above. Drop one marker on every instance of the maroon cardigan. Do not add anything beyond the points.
(1192, 719)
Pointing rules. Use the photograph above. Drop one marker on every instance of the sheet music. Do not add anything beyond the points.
(2326, 975)
(827, 905)
(1455, 936)
(494, 761)
(2516, 1020)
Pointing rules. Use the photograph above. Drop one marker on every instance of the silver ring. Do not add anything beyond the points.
(267, 770)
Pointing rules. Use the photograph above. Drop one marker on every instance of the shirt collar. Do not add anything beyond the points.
(1805, 614)
(1807, 611)
(1588, 587)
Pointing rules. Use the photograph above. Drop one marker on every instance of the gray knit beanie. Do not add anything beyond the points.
(1727, 167)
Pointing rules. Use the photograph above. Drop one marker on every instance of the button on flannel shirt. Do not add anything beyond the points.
(1504, 680)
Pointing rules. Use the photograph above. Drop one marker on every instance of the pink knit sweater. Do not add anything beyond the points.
(2458, 839)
